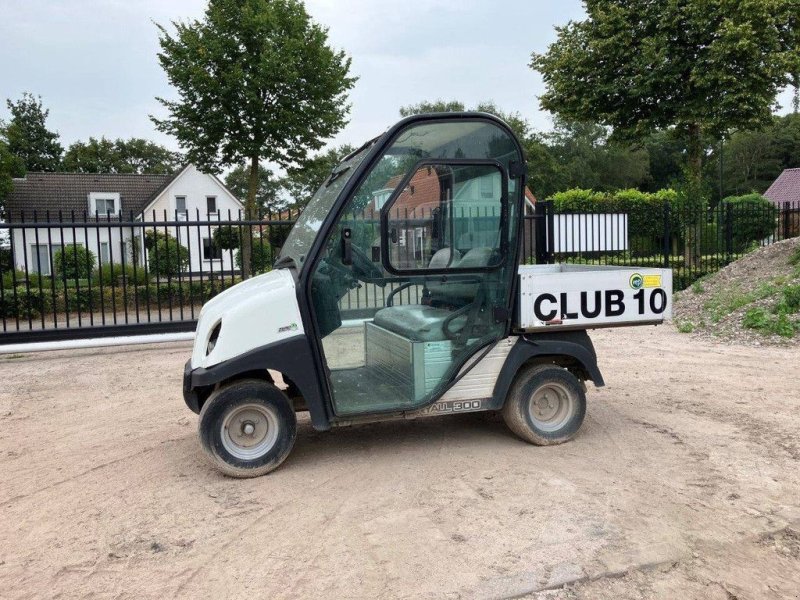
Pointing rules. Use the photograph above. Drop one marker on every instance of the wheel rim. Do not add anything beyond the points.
(551, 407)
(249, 431)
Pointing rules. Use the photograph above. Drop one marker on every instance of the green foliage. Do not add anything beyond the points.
(227, 237)
(753, 218)
(28, 137)
(167, 257)
(261, 257)
(685, 326)
(73, 262)
(437, 106)
(10, 166)
(794, 259)
(151, 236)
(256, 80)
(777, 324)
(302, 182)
(116, 273)
(790, 300)
(268, 192)
(702, 67)
(645, 210)
(135, 155)
(25, 302)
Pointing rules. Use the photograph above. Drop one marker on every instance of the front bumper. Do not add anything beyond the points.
(190, 396)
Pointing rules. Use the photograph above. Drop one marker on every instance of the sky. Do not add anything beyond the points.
(94, 62)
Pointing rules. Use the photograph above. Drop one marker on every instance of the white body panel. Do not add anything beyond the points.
(479, 382)
(254, 313)
(587, 296)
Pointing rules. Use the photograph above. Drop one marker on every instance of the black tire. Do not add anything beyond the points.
(546, 405)
(266, 427)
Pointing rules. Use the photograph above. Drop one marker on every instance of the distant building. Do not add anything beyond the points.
(54, 198)
(786, 188)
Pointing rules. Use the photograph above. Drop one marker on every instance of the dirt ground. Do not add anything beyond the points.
(683, 483)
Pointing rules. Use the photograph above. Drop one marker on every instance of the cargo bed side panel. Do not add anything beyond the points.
(586, 297)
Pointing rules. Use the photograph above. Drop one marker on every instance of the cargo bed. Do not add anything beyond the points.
(566, 296)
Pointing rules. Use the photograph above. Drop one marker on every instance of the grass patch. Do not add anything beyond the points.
(685, 326)
(730, 300)
(698, 287)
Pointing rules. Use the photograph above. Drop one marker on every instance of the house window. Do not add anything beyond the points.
(41, 259)
(211, 204)
(104, 203)
(104, 253)
(210, 250)
(105, 206)
(180, 205)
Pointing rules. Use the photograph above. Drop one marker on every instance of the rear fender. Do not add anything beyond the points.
(571, 349)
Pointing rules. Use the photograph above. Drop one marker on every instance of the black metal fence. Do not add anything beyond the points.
(692, 242)
(70, 276)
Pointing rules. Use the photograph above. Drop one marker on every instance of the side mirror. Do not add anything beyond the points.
(347, 247)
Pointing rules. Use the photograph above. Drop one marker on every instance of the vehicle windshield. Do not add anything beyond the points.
(308, 224)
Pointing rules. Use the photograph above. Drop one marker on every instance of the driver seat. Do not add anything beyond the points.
(424, 323)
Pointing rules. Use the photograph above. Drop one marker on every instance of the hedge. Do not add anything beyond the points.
(753, 218)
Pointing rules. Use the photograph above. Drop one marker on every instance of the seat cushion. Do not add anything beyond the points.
(418, 322)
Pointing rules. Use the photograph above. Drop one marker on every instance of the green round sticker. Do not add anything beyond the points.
(636, 281)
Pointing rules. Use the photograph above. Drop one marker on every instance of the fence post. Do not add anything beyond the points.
(786, 220)
(667, 246)
(728, 231)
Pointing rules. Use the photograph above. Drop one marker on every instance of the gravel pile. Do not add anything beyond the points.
(715, 307)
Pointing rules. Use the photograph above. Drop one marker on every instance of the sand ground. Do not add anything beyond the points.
(683, 483)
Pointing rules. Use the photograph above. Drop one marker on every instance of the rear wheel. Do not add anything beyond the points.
(247, 428)
(546, 405)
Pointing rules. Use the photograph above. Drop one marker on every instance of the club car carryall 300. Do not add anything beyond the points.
(398, 294)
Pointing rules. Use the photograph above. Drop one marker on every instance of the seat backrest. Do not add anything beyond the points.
(442, 259)
(477, 257)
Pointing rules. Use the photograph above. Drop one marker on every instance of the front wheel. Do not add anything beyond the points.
(247, 428)
(546, 405)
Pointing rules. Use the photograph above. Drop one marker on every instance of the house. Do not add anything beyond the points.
(81, 208)
(786, 188)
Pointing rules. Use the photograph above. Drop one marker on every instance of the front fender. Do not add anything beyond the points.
(292, 357)
(574, 345)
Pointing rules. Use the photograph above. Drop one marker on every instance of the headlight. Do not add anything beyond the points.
(212, 341)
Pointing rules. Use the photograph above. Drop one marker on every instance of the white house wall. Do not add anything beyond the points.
(196, 187)
(56, 237)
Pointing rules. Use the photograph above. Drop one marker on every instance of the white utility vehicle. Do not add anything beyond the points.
(398, 294)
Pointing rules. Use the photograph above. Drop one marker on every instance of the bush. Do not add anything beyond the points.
(73, 262)
(10, 277)
(28, 304)
(753, 218)
(114, 272)
(168, 257)
(260, 257)
(226, 237)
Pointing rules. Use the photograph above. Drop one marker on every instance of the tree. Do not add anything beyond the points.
(303, 181)
(28, 136)
(256, 80)
(135, 155)
(10, 166)
(640, 66)
(268, 192)
(704, 68)
(436, 106)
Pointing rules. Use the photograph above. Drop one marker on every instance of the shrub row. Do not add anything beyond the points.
(26, 302)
